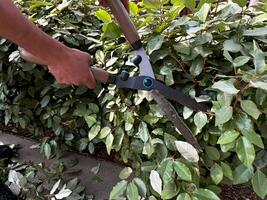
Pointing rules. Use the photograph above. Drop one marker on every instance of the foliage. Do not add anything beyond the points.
(216, 55)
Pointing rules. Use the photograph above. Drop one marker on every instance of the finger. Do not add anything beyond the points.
(91, 82)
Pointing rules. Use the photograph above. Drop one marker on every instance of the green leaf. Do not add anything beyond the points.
(253, 137)
(118, 190)
(197, 66)
(112, 61)
(169, 141)
(148, 148)
(134, 10)
(226, 147)
(125, 173)
(90, 120)
(167, 72)
(155, 43)
(245, 151)
(240, 61)
(104, 132)
(170, 190)
(228, 137)
(94, 132)
(259, 61)
(155, 181)
(118, 138)
(132, 192)
(182, 47)
(165, 169)
(232, 46)
(259, 184)
(202, 14)
(109, 142)
(242, 174)
(250, 108)
(100, 56)
(256, 32)
(212, 153)
(111, 31)
(81, 90)
(103, 15)
(82, 144)
(183, 196)
(182, 171)
(227, 171)
(216, 173)
(191, 4)
(226, 86)
(241, 3)
(205, 194)
(44, 102)
(259, 84)
(47, 150)
(200, 120)
(141, 186)
(152, 4)
(223, 115)
(143, 132)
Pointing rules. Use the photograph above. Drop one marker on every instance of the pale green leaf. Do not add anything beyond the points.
(245, 151)
(125, 173)
(118, 190)
(109, 142)
(250, 108)
(223, 115)
(132, 192)
(205, 194)
(228, 137)
(259, 184)
(216, 173)
(242, 174)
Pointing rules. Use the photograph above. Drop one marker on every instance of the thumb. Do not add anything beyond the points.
(91, 82)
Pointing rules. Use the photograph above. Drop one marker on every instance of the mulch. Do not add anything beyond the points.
(238, 192)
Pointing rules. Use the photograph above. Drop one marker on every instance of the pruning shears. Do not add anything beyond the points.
(146, 80)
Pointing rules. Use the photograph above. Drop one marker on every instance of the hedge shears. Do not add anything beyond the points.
(146, 80)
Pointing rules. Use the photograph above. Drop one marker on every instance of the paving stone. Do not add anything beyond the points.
(100, 184)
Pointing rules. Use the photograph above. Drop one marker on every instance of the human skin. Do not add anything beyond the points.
(67, 65)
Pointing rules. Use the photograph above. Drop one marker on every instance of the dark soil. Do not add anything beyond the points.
(238, 192)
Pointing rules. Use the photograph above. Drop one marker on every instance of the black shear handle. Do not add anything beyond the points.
(127, 26)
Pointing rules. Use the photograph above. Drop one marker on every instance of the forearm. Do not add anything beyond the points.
(18, 29)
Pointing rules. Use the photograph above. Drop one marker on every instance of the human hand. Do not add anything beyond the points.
(125, 3)
(72, 69)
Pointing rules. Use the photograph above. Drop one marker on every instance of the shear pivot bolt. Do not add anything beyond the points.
(137, 60)
(148, 83)
(124, 75)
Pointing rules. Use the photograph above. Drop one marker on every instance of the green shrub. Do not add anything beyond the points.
(216, 55)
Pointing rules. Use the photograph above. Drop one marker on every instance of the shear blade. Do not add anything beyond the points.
(173, 116)
(178, 96)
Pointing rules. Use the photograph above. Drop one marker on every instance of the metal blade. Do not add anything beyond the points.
(173, 116)
(136, 83)
(180, 97)
(145, 65)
